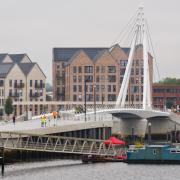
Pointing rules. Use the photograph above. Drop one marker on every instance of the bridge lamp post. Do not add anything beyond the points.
(85, 91)
(85, 108)
(94, 101)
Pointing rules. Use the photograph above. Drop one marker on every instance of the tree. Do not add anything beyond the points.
(9, 106)
(169, 80)
(169, 104)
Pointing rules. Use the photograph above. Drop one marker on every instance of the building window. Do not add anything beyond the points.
(102, 78)
(97, 69)
(111, 97)
(89, 97)
(97, 88)
(134, 89)
(97, 78)
(74, 79)
(74, 69)
(132, 80)
(1, 83)
(111, 69)
(88, 69)
(10, 83)
(114, 88)
(102, 88)
(74, 97)
(80, 69)
(137, 71)
(79, 78)
(74, 88)
(109, 88)
(80, 88)
(132, 71)
(10, 92)
(97, 98)
(30, 83)
(142, 71)
(123, 63)
(88, 78)
(90, 88)
(122, 71)
(102, 69)
(137, 62)
(30, 92)
(137, 97)
(111, 78)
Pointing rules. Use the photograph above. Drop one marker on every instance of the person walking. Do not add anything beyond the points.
(14, 119)
(42, 121)
(45, 120)
(54, 114)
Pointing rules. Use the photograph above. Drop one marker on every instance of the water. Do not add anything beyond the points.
(75, 170)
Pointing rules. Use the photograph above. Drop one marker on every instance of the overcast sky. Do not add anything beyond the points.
(36, 26)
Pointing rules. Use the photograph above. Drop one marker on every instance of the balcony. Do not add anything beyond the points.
(34, 95)
(39, 85)
(18, 85)
(14, 95)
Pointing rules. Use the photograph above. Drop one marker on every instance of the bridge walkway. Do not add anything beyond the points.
(56, 144)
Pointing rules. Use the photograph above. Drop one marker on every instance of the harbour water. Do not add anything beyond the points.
(75, 170)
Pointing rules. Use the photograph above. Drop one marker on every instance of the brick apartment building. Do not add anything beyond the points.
(22, 80)
(166, 95)
(102, 68)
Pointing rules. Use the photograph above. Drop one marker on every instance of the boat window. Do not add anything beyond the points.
(154, 151)
(173, 151)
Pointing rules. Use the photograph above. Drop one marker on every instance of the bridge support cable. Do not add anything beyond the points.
(139, 38)
(123, 90)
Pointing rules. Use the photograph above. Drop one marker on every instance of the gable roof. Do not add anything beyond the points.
(65, 54)
(26, 67)
(4, 69)
(17, 58)
(2, 56)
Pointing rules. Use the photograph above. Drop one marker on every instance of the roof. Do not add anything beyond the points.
(5, 68)
(2, 56)
(17, 58)
(26, 67)
(65, 54)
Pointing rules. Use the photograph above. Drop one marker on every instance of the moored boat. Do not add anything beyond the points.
(166, 153)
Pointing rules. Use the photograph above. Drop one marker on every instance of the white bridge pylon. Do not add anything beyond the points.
(140, 32)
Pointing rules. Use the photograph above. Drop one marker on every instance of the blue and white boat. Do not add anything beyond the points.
(154, 154)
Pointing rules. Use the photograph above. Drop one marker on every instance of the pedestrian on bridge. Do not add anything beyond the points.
(42, 121)
(54, 114)
(45, 120)
(14, 119)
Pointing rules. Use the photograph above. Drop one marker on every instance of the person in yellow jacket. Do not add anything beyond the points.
(42, 121)
(45, 120)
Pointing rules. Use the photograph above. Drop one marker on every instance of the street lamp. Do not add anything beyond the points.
(85, 90)
(94, 101)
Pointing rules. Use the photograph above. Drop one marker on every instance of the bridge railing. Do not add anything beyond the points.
(58, 144)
